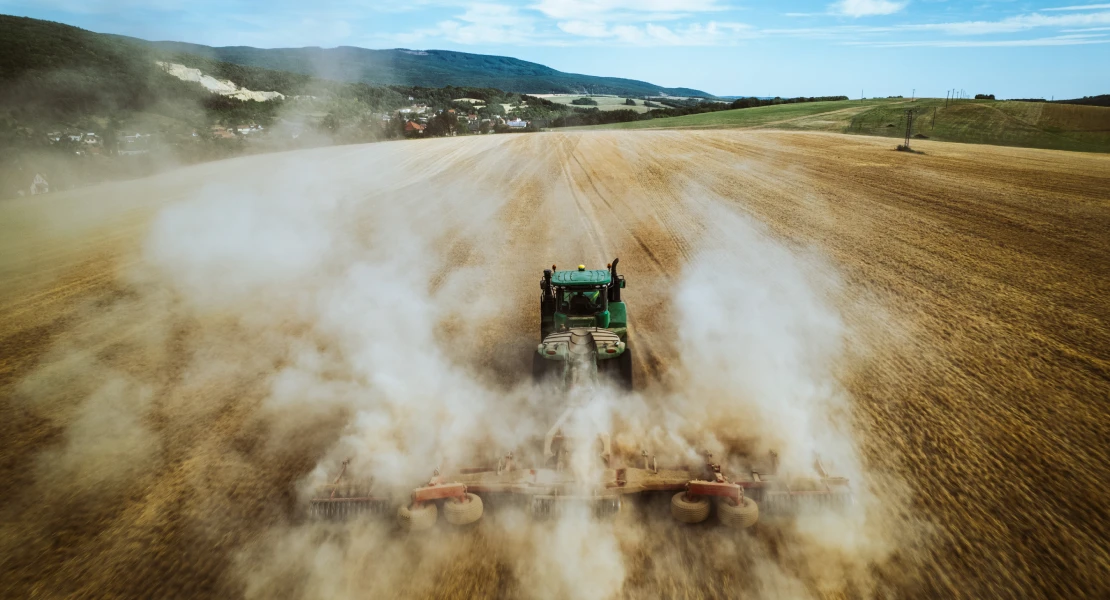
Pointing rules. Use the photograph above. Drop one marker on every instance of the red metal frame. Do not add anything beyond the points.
(438, 491)
(719, 489)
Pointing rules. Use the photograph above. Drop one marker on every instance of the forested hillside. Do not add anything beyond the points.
(423, 68)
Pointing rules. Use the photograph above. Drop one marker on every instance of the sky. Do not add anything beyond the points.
(1010, 48)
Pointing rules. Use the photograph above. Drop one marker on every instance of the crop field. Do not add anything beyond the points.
(181, 357)
(762, 116)
(603, 102)
(1024, 124)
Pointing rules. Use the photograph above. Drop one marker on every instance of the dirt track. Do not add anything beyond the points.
(975, 281)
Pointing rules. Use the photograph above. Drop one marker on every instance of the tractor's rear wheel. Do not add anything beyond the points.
(418, 517)
(624, 364)
(539, 368)
(689, 510)
(463, 512)
(740, 516)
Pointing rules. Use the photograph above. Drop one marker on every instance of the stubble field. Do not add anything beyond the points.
(180, 354)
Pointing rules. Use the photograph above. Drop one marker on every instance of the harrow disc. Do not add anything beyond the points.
(786, 504)
(550, 507)
(344, 509)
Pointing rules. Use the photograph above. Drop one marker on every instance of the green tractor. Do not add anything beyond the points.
(583, 327)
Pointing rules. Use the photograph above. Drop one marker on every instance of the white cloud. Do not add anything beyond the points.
(624, 10)
(480, 24)
(650, 34)
(586, 28)
(1063, 40)
(1083, 7)
(1015, 24)
(867, 8)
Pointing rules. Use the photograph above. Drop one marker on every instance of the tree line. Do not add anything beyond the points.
(674, 108)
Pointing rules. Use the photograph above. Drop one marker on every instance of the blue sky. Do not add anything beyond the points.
(1012, 48)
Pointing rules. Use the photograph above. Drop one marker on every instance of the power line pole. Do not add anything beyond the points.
(913, 95)
(909, 127)
(946, 95)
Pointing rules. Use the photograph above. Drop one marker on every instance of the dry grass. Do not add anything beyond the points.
(975, 283)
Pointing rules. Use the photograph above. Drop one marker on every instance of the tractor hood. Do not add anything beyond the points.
(573, 278)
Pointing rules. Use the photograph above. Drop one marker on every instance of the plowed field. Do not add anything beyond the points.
(179, 354)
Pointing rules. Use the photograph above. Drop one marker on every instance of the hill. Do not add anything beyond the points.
(423, 68)
(1005, 123)
(67, 96)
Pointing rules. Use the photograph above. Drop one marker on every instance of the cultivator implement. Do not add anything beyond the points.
(584, 332)
(341, 501)
(549, 493)
(545, 507)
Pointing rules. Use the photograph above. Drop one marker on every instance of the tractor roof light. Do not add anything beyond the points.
(581, 267)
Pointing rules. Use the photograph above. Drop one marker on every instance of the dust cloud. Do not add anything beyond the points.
(330, 307)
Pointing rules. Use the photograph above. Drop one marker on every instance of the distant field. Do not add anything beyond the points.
(750, 117)
(1027, 124)
(1003, 123)
(603, 102)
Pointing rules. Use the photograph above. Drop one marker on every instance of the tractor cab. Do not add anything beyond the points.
(572, 299)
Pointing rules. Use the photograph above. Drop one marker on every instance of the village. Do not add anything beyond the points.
(469, 116)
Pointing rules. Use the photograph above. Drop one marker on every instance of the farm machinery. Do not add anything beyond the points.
(584, 343)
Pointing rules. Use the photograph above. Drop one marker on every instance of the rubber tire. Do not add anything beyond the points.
(417, 518)
(686, 511)
(624, 364)
(540, 368)
(739, 516)
(463, 513)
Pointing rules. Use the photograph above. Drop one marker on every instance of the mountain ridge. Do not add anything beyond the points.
(423, 68)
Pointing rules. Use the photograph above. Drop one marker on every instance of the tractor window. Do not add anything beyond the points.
(581, 302)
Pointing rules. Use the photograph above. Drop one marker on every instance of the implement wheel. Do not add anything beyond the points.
(689, 510)
(417, 517)
(740, 516)
(463, 512)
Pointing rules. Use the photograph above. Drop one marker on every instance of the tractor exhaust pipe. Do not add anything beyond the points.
(614, 282)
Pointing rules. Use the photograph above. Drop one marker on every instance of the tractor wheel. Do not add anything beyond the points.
(459, 512)
(625, 365)
(694, 510)
(418, 517)
(740, 516)
(539, 368)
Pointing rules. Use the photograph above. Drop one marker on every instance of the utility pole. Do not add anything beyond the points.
(913, 95)
(933, 124)
(946, 95)
(909, 127)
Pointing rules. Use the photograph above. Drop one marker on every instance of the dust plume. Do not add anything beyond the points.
(300, 317)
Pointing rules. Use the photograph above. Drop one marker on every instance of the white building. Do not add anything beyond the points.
(39, 185)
